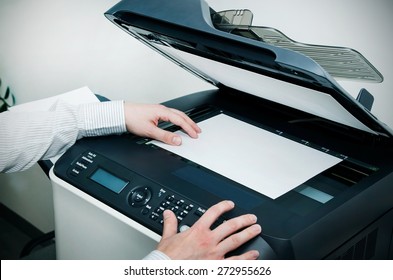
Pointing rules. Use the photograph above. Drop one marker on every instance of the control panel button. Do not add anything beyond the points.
(183, 228)
(145, 211)
(139, 196)
(75, 171)
(200, 211)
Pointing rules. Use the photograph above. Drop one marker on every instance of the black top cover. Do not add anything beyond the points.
(184, 32)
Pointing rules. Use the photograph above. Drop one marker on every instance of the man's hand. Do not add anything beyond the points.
(200, 242)
(142, 120)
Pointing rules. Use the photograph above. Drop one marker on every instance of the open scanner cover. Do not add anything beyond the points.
(184, 32)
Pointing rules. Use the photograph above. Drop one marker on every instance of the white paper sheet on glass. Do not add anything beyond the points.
(263, 161)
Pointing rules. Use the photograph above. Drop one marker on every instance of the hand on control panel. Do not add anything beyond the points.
(201, 242)
(142, 120)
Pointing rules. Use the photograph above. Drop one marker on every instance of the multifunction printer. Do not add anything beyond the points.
(281, 138)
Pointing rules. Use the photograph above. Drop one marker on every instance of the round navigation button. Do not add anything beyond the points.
(139, 196)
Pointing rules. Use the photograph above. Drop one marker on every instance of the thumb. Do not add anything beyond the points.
(170, 224)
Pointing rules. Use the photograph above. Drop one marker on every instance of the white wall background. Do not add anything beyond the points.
(49, 47)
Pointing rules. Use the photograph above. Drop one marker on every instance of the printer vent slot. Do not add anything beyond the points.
(348, 172)
(364, 249)
(196, 114)
(201, 113)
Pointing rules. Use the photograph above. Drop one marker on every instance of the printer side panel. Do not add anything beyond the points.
(88, 229)
(360, 228)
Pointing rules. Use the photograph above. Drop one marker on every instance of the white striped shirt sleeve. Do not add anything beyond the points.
(156, 255)
(27, 137)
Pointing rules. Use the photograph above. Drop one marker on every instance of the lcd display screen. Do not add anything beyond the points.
(108, 180)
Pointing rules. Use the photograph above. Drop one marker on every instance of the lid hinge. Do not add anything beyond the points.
(365, 98)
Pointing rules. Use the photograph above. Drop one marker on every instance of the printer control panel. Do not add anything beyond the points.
(132, 194)
(183, 209)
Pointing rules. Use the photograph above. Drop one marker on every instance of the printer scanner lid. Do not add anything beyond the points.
(184, 32)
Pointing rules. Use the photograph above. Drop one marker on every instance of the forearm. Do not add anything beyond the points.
(27, 137)
(24, 139)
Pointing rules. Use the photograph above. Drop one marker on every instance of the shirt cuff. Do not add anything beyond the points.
(156, 255)
(101, 118)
